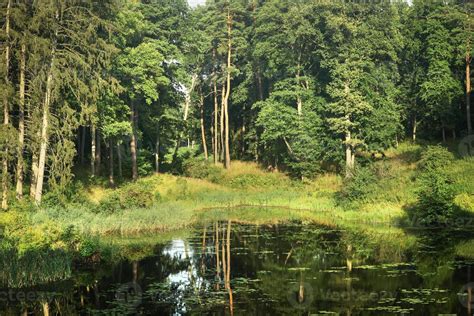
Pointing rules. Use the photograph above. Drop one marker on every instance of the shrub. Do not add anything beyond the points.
(360, 185)
(436, 193)
(435, 197)
(179, 158)
(202, 169)
(145, 162)
(62, 196)
(134, 195)
(434, 158)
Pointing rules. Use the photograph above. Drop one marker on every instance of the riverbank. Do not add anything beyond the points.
(245, 194)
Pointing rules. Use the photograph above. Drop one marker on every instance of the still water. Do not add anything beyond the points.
(225, 268)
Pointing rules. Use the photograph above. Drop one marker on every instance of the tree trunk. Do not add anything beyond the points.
(454, 134)
(216, 125)
(187, 99)
(349, 156)
(228, 87)
(93, 148)
(98, 154)
(203, 129)
(218, 264)
(415, 125)
(222, 128)
(111, 163)
(213, 145)
(443, 132)
(468, 92)
(6, 108)
(83, 144)
(119, 158)
(45, 307)
(21, 125)
(299, 101)
(157, 154)
(44, 131)
(34, 175)
(133, 145)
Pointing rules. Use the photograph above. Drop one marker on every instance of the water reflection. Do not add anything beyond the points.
(226, 268)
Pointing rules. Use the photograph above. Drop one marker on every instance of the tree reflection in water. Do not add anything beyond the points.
(226, 268)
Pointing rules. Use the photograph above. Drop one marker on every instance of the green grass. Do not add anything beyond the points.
(246, 193)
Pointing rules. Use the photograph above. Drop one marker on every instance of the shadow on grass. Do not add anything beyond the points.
(461, 219)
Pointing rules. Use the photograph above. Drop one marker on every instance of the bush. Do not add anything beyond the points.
(360, 185)
(145, 162)
(202, 169)
(183, 155)
(436, 194)
(435, 197)
(434, 158)
(62, 196)
(134, 195)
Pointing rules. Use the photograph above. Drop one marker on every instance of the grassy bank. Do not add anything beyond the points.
(246, 193)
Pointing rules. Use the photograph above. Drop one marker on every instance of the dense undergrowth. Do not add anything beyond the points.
(410, 180)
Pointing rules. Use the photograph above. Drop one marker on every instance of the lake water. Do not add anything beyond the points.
(225, 268)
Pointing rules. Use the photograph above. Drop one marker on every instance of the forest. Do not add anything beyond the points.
(236, 156)
(123, 89)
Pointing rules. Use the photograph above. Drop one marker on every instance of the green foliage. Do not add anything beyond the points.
(358, 187)
(435, 158)
(179, 158)
(435, 197)
(200, 168)
(436, 193)
(131, 196)
(73, 193)
(145, 163)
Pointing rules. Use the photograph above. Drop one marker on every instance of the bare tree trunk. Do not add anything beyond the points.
(468, 91)
(218, 264)
(415, 125)
(349, 156)
(45, 307)
(44, 131)
(203, 129)
(222, 121)
(21, 125)
(187, 99)
(133, 145)
(6, 108)
(216, 127)
(228, 87)
(454, 134)
(119, 158)
(216, 114)
(34, 175)
(443, 132)
(299, 101)
(111, 163)
(93, 148)
(98, 153)
(83, 143)
(213, 145)
(157, 154)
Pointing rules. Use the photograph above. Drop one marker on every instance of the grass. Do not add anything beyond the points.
(247, 194)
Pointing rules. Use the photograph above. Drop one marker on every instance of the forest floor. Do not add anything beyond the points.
(246, 194)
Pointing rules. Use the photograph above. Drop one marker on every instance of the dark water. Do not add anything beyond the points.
(225, 268)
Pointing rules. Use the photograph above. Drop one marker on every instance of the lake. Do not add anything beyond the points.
(226, 268)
